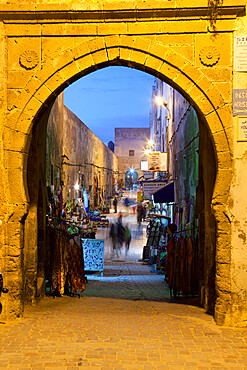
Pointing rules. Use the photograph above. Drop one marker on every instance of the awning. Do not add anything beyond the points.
(164, 194)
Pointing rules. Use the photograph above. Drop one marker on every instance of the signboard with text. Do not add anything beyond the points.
(240, 53)
(242, 128)
(239, 102)
(148, 175)
(157, 162)
(150, 186)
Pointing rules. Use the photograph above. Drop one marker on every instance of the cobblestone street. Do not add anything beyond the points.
(124, 320)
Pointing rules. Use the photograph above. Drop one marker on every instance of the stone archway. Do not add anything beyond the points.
(158, 60)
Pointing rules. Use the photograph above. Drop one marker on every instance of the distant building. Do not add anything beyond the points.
(130, 144)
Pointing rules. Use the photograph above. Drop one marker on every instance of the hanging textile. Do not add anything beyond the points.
(66, 265)
(74, 265)
(181, 266)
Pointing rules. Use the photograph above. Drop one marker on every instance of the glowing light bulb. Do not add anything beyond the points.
(159, 100)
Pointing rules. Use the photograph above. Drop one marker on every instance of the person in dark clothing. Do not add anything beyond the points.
(121, 231)
(127, 203)
(127, 238)
(139, 216)
(115, 204)
(144, 213)
(114, 237)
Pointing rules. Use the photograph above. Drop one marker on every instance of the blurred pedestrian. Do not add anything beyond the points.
(139, 215)
(127, 203)
(121, 230)
(127, 238)
(114, 237)
(144, 212)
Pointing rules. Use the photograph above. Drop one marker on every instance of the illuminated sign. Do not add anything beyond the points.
(157, 162)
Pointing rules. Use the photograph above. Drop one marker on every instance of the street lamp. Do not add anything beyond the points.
(147, 151)
(149, 147)
(160, 101)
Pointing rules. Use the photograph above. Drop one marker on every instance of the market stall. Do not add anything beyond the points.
(65, 264)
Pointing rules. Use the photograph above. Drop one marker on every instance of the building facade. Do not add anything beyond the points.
(175, 129)
(130, 144)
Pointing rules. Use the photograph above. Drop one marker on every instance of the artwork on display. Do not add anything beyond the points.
(93, 253)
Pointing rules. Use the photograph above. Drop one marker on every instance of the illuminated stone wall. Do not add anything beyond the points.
(68, 135)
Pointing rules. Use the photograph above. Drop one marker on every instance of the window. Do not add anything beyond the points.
(131, 153)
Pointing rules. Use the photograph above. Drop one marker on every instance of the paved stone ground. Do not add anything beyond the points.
(124, 320)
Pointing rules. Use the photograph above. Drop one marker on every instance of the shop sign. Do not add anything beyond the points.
(242, 128)
(240, 53)
(150, 186)
(148, 175)
(239, 102)
(157, 162)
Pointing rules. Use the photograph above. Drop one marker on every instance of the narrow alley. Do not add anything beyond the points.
(125, 276)
(123, 320)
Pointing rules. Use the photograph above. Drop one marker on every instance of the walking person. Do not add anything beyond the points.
(114, 237)
(127, 238)
(121, 230)
(144, 212)
(115, 204)
(127, 203)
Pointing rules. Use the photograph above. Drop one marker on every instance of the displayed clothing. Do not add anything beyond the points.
(65, 270)
(181, 265)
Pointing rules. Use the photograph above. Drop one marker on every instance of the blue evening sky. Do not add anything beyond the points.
(111, 97)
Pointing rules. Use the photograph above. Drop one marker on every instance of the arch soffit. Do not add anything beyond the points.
(144, 54)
